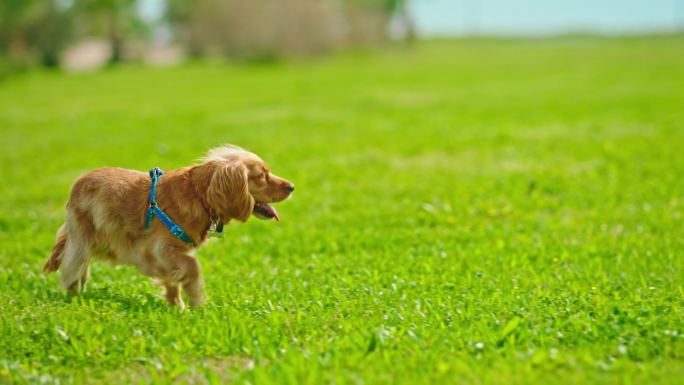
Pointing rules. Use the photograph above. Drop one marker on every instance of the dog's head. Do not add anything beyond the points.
(242, 184)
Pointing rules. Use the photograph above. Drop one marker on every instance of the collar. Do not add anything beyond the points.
(215, 223)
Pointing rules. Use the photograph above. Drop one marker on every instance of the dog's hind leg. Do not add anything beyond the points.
(76, 258)
(75, 266)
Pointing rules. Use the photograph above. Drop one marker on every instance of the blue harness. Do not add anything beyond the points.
(154, 209)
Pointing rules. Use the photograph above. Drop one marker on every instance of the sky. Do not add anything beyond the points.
(546, 17)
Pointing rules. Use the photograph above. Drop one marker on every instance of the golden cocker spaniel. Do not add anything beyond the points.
(106, 217)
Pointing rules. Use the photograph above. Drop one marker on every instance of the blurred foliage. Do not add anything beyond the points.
(268, 28)
(36, 32)
(386, 5)
(32, 31)
(111, 18)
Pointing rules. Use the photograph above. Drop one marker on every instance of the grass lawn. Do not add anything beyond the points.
(466, 212)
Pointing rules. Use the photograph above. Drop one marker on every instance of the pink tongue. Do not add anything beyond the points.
(273, 212)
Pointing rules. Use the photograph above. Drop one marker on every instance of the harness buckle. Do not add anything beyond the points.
(177, 231)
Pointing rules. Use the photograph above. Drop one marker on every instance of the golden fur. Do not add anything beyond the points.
(105, 217)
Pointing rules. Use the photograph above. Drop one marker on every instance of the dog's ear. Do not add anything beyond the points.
(228, 192)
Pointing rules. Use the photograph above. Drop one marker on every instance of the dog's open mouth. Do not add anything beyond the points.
(265, 211)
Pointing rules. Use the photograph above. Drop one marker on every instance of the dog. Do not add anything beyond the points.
(106, 217)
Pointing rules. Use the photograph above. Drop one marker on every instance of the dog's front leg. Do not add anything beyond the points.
(173, 296)
(187, 273)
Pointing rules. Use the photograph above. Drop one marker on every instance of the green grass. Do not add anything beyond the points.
(466, 212)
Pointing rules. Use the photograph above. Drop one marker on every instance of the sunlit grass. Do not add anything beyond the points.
(466, 212)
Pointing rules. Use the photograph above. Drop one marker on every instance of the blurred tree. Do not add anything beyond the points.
(368, 20)
(271, 28)
(113, 18)
(388, 6)
(36, 31)
(33, 31)
(404, 18)
(255, 30)
(179, 14)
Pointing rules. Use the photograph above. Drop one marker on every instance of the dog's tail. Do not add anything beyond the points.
(55, 259)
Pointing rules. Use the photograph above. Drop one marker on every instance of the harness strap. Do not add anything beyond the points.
(154, 209)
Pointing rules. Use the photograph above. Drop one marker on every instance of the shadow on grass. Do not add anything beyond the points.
(106, 298)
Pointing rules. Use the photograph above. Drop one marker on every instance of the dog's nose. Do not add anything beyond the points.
(290, 187)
